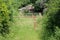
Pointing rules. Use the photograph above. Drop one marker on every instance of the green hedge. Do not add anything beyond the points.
(50, 21)
(8, 9)
(4, 18)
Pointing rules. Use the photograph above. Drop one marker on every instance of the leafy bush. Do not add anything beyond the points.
(50, 21)
(9, 8)
(40, 5)
(4, 18)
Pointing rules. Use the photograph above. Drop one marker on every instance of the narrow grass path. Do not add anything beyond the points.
(24, 29)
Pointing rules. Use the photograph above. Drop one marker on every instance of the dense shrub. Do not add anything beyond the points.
(23, 3)
(40, 5)
(50, 21)
(9, 8)
(4, 18)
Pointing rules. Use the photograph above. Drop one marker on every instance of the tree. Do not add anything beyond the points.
(40, 5)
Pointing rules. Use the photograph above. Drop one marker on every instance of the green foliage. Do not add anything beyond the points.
(39, 5)
(22, 3)
(8, 8)
(33, 2)
(51, 20)
(4, 18)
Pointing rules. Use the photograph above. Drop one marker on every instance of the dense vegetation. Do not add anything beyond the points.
(4, 18)
(9, 8)
(50, 21)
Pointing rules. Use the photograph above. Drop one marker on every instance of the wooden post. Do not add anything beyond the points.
(35, 23)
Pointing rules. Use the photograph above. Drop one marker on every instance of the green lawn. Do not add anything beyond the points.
(22, 29)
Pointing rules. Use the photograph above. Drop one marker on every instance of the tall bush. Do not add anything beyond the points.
(4, 18)
(9, 8)
(50, 21)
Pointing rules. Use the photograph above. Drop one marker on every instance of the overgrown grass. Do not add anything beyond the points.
(22, 29)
